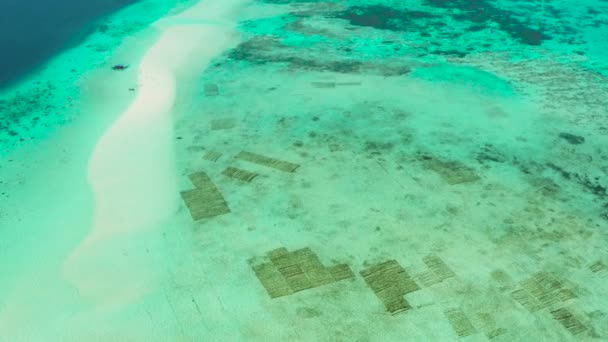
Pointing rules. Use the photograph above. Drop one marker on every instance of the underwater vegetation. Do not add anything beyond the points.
(388, 18)
(24, 112)
(482, 13)
(572, 139)
(264, 50)
(530, 23)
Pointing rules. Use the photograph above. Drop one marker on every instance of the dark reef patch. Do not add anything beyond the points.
(263, 50)
(489, 153)
(589, 185)
(25, 111)
(565, 174)
(571, 138)
(385, 18)
(255, 50)
(482, 13)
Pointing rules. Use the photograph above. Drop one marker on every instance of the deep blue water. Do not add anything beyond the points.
(31, 31)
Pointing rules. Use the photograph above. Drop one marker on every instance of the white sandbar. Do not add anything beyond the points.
(132, 169)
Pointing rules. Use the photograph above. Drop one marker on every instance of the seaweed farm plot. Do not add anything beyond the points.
(212, 156)
(239, 174)
(451, 171)
(599, 268)
(486, 323)
(206, 200)
(437, 272)
(541, 291)
(460, 322)
(277, 164)
(291, 272)
(568, 320)
(245, 175)
(220, 124)
(211, 90)
(334, 84)
(390, 282)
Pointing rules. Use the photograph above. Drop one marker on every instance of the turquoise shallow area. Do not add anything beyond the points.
(51, 95)
(33, 31)
(472, 131)
(435, 170)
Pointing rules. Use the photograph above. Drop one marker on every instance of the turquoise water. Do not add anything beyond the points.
(31, 32)
(347, 170)
(48, 96)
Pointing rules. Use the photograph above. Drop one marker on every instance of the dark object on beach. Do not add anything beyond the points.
(572, 139)
(120, 67)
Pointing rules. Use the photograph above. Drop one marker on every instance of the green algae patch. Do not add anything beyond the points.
(483, 81)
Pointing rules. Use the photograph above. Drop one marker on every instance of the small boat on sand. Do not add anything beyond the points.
(120, 67)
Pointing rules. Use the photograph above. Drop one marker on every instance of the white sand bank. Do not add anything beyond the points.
(131, 170)
(48, 204)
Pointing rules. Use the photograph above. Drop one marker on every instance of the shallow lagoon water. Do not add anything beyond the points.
(33, 31)
(375, 171)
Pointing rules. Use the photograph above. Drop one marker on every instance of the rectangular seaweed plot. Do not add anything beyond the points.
(568, 320)
(201, 180)
(324, 84)
(390, 282)
(289, 266)
(239, 174)
(452, 172)
(438, 270)
(540, 291)
(211, 90)
(272, 280)
(459, 322)
(290, 272)
(212, 156)
(341, 272)
(219, 124)
(206, 200)
(204, 204)
(544, 288)
(486, 323)
(318, 274)
(267, 161)
(598, 267)
(526, 300)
